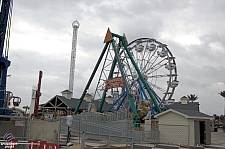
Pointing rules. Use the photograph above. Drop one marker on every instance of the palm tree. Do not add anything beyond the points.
(192, 97)
(222, 118)
(222, 93)
(216, 119)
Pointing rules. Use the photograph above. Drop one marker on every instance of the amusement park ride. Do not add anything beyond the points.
(139, 75)
(5, 24)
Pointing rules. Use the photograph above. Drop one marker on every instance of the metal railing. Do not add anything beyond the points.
(79, 125)
(105, 140)
(145, 133)
(104, 116)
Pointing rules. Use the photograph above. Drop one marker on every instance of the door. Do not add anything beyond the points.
(202, 132)
(207, 133)
(197, 132)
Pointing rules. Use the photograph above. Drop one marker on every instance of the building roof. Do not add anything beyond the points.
(187, 114)
(193, 113)
(73, 102)
(53, 102)
(66, 91)
(194, 106)
(87, 94)
(105, 107)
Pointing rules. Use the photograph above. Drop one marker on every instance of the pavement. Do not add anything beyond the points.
(217, 142)
(218, 138)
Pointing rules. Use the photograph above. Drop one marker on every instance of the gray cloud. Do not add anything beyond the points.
(200, 66)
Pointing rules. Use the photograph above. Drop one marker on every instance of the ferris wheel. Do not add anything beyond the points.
(141, 71)
(158, 67)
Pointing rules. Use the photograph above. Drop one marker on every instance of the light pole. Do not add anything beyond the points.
(68, 110)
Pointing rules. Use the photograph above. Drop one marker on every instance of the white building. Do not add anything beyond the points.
(184, 127)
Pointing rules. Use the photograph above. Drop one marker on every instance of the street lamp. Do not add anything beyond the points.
(68, 110)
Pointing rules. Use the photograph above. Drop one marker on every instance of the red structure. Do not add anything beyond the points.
(38, 93)
(32, 144)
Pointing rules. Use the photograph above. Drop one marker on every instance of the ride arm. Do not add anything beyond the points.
(91, 78)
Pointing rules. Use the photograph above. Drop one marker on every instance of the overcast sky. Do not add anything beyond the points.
(41, 39)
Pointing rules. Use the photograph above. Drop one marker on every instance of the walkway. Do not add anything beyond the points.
(217, 142)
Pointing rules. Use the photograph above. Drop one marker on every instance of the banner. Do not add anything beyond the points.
(19, 123)
(114, 83)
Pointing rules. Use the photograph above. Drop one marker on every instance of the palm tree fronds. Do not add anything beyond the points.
(222, 93)
(192, 97)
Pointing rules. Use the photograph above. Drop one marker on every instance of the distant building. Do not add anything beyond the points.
(184, 104)
(62, 105)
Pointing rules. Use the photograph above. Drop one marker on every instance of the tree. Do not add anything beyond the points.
(222, 93)
(222, 118)
(26, 108)
(216, 120)
(192, 97)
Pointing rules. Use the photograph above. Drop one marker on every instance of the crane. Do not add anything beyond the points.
(75, 26)
(5, 23)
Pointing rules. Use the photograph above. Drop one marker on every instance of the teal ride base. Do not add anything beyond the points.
(137, 123)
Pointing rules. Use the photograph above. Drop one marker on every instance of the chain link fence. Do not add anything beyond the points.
(13, 127)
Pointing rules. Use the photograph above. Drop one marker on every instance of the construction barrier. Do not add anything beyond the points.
(31, 144)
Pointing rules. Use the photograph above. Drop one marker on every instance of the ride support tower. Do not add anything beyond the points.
(75, 26)
(5, 24)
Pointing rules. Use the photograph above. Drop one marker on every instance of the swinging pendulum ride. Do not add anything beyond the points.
(141, 73)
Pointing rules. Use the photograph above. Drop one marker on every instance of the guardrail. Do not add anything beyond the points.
(105, 140)
(79, 126)
(104, 116)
